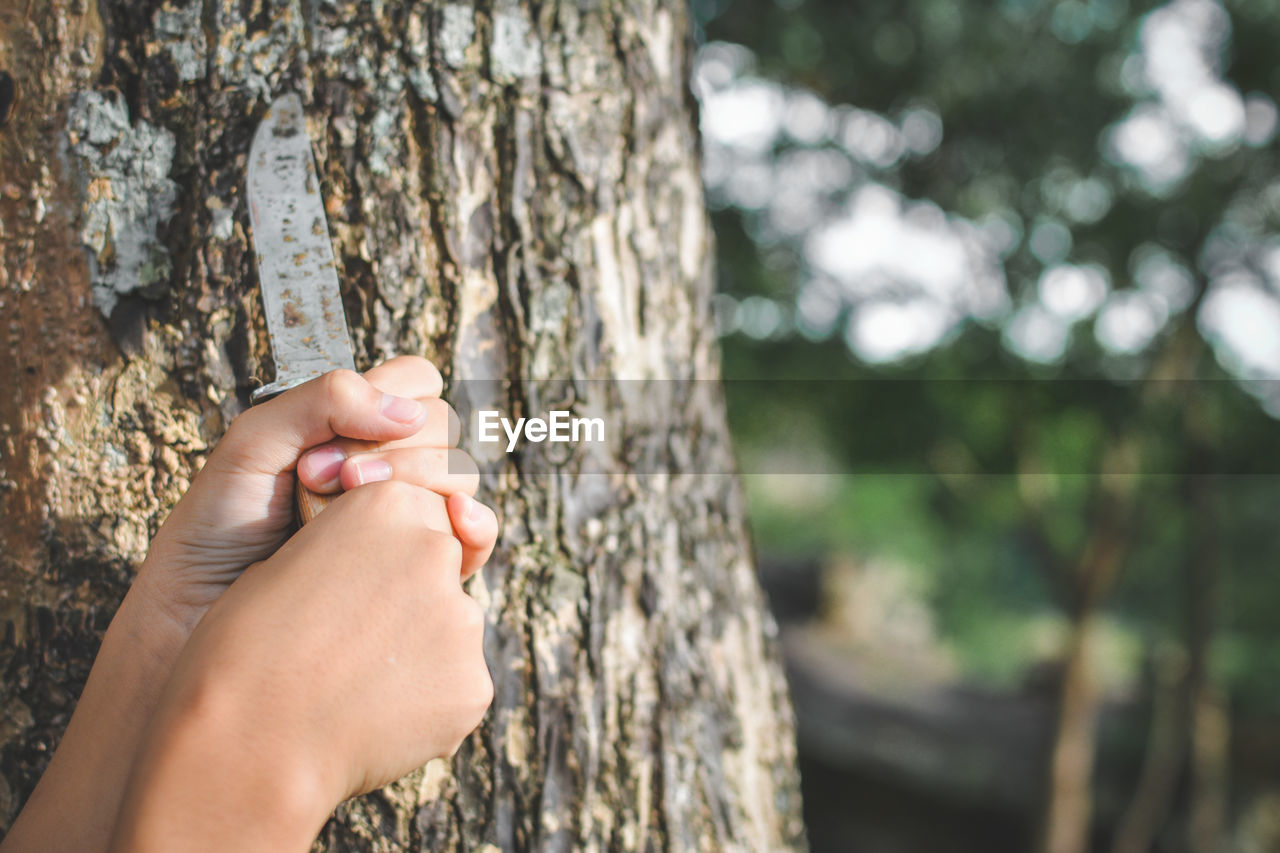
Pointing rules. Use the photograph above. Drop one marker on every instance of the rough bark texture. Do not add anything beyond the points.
(513, 192)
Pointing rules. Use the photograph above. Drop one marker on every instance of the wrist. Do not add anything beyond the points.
(172, 594)
(152, 625)
(208, 755)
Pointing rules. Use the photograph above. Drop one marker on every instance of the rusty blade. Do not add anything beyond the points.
(295, 258)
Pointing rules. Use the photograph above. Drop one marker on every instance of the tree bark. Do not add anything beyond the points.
(513, 191)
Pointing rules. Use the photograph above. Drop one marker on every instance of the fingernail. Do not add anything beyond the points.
(372, 471)
(468, 507)
(401, 409)
(322, 465)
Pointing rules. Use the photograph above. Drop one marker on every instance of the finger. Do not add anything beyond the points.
(406, 376)
(476, 527)
(319, 468)
(424, 508)
(442, 428)
(269, 438)
(440, 469)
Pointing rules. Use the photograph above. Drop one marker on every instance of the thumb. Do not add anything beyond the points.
(269, 438)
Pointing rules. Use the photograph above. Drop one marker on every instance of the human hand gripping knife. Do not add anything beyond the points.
(296, 268)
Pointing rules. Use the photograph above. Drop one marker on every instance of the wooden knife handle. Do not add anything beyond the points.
(309, 503)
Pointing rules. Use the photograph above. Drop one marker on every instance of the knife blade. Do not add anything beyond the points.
(296, 268)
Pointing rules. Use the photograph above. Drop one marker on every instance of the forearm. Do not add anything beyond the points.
(74, 806)
(208, 779)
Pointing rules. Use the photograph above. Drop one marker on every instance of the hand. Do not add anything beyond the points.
(238, 511)
(338, 431)
(347, 659)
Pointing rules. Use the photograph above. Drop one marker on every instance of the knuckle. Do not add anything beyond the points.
(250, 423)
(434, 565)
(404, 494)
(390, 500)
(474, 701)
(451, 552)
(445, 550)
(482, 692)
(427, 506)
(411, 501)
(342, 388)
(471, 703)
(471, 616)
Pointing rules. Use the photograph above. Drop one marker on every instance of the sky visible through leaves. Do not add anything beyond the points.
(894, 275)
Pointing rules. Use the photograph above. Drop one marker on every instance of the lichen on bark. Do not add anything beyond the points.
(126, 192)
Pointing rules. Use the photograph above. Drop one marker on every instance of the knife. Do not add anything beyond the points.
(296, 268)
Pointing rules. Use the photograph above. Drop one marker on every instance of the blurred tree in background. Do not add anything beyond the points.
(1007, 276)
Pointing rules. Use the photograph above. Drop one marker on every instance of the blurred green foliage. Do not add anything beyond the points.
(988, 490)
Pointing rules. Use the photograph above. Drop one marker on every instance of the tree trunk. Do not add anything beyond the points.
(1208, 718)
(513, 191)
(1162, 763)
(1190, 717)
(1069, 806)
(1066, 823)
